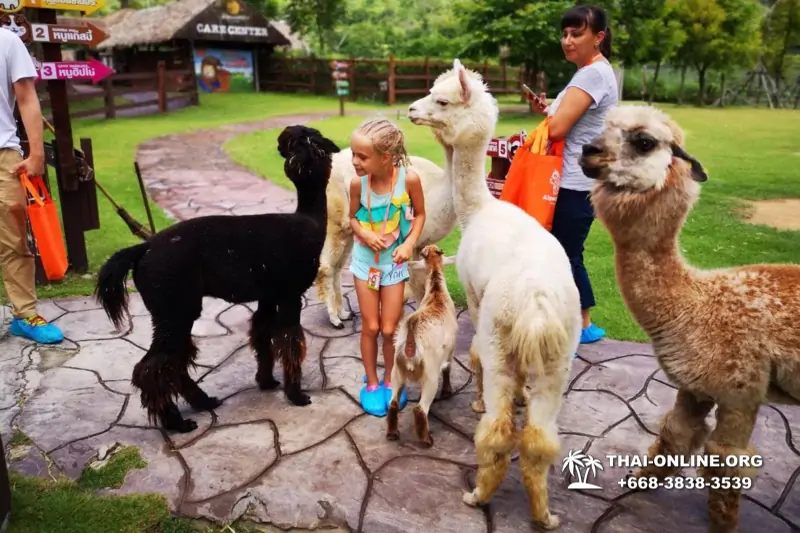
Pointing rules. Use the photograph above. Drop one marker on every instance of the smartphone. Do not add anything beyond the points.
(529, 91)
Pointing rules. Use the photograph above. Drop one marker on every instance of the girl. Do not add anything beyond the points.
(382, 201)
(577, 115)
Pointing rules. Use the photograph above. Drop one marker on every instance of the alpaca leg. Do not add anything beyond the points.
(495, 435)
(341, 312)
(730, 437)
(539, 442)
(683, 430)
(398, 381)
(520, 394)
(261, 326)
(289, 343)
(478, 404)
(189, 389)
(160, 376)
(447, 386)
(430, 384)
(326, 292)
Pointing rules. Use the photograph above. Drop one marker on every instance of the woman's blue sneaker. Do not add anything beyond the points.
(373, 401)
(592, 334)
(403, 400)
(37, 329)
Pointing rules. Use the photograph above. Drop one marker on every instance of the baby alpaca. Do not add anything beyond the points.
(424, 346)
(270, 258)
(726, 337)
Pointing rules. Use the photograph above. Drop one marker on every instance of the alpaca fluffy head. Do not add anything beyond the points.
(637, 149)
(307, 152)
(646, 182)
(432, 255)
(459, 107)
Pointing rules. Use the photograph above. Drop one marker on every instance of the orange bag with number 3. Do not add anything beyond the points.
(46, 227)
(534, 178)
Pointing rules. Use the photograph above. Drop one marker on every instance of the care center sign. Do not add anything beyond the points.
(232, 21)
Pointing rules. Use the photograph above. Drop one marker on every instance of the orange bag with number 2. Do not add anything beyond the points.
(534, 178)
(46, 227)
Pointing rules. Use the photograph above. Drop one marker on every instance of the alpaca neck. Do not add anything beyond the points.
(434, 286)
(312, 201)
(470, 191)
(653, 278)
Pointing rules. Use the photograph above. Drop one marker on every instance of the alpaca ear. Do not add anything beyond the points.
(457, 64)
(698, 172)
(424, 252)
(465, 90)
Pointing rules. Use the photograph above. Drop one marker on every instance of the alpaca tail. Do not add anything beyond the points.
(537, 335)
(407, 351)
(110, 290)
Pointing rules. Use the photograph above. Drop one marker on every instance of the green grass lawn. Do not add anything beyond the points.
(114, 144)
(748, 153)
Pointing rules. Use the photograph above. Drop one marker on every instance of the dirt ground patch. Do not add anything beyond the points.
(783, 213)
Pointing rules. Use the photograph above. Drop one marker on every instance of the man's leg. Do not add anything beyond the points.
(16, 260)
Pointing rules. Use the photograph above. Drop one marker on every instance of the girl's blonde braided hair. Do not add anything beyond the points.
(387, 138)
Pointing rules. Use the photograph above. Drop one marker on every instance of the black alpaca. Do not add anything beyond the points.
(272, 259)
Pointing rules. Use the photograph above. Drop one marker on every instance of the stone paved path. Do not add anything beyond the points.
(328, 465)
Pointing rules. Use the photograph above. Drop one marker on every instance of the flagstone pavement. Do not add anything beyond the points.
(328, 465)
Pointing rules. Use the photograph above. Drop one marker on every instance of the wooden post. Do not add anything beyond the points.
(351, 70)
(108, 98)
(161, 84)
(392, 96)
(427, 74)
(505, 75)
(69, 189)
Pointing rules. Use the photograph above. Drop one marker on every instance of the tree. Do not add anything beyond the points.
(781, 34)
(315, 17)
(529, 29)
(662, 37)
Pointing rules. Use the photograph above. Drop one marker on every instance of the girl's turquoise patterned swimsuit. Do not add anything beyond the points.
(398, 226)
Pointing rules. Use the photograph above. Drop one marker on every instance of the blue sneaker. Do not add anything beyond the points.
(37, 329)
(592, 334)
(403, 400)
(373, 401)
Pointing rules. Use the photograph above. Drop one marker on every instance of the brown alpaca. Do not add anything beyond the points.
(425, 342)
(724, 337)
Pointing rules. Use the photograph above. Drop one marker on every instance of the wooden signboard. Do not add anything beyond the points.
(232, 20)
(87, 6)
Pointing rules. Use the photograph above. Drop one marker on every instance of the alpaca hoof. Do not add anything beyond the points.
(301, 399)
(551, 522)
(186, 425)
(446, 394)
(269, 385)
(392, 435)
(345, 315)
(471, 499)
(478, 406)
(427, 442)
(211, 403)
(337, 324)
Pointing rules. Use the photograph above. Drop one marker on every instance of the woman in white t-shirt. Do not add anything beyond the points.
(577, 115)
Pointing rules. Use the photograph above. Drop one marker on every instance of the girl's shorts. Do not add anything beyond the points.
(390, 274)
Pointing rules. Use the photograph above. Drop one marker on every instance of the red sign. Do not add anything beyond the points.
(505, 148)
(92, 70)
(88, 35)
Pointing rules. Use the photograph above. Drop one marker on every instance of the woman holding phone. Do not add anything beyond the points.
(577, 115)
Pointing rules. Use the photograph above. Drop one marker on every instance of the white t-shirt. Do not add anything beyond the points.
(15, 64)
(599, 81)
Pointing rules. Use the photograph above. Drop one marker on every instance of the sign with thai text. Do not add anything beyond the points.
(89, 35)
(87, 6)
(91, 70)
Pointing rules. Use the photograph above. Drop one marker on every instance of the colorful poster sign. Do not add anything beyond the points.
(91, 70)
(223, 70)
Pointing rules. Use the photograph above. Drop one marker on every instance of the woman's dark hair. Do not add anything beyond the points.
(592, 17)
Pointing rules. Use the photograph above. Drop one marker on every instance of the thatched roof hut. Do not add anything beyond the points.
(224, 20)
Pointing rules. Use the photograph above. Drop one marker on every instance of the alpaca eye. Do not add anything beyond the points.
(644, 144)
(442, 103)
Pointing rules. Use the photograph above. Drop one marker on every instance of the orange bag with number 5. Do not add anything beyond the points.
(534, 178)
(46, 227)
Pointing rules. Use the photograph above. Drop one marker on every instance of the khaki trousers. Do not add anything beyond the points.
(16, 260)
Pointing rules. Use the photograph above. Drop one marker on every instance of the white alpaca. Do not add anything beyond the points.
(439, 222)
(425, 343)
(520, 292)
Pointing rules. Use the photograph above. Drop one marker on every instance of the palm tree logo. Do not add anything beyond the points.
(577, 461)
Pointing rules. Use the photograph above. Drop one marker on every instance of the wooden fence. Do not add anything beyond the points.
(131, 91)
(387, 80)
